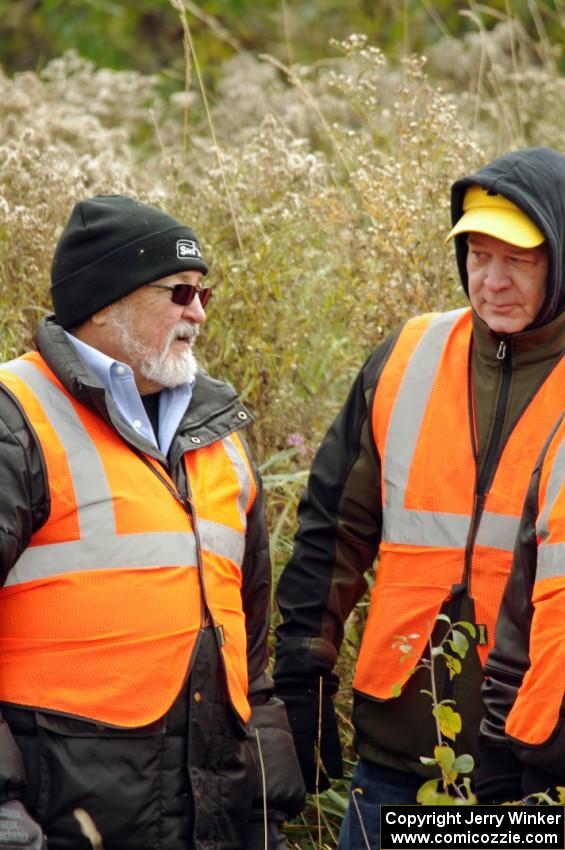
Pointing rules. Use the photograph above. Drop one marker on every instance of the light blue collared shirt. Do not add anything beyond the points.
(117, 378)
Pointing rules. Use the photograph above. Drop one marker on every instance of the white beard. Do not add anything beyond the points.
(163, 367)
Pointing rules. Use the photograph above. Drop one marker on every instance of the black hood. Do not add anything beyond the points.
(533, 179)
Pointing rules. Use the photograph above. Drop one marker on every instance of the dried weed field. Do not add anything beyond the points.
(321, 197)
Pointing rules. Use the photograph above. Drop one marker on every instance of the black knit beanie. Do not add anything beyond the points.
(113, 244)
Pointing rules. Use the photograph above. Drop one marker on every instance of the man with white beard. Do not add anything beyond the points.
(135, 573)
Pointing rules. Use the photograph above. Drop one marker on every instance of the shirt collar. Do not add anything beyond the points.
(118, 380)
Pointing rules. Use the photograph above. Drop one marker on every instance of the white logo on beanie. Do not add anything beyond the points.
(187, 248)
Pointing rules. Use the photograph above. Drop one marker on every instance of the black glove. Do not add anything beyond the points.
(18, 830)
(255, 835)
(497, 779)
(535, 781)
(284, 787)
(302, 708)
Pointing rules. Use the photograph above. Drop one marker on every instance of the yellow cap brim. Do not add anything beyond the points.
(495, 215)
(506, 225)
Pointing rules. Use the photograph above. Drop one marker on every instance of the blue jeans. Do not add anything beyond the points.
(379, 785)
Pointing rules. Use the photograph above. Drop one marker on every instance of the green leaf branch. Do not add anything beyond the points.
(453, 787)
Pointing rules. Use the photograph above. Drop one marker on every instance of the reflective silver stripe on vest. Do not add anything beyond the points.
(87, 472)
(140, 551)
(551, 556)
(554, 485)
(221, 539)
(427, 528)
(498, 531)
(551, 560)
(418, 527)
(100, 547)
(242, 472)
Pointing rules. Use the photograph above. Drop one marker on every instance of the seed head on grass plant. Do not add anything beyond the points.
(506, 80)
(62, 140)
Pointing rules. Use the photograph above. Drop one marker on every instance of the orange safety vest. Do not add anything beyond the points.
(536, 712)
(100, 615)
(422, 430)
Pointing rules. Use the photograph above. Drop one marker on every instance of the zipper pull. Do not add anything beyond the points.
(501, 353)
(220, 634)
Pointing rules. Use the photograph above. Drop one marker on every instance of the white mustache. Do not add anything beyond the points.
(187, 330)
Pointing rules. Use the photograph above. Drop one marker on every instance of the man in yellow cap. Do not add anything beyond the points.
(501, 238)
(426, 468)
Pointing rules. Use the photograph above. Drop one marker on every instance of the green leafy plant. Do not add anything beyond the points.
(453, 786)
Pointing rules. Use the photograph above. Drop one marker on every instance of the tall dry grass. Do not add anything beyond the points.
(321, 201)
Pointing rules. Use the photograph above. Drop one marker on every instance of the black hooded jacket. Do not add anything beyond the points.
(340, 514)
(534, 180)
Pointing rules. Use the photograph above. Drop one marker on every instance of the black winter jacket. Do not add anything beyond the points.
(340, 513)
(193, 778)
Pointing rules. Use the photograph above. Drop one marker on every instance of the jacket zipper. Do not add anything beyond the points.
(483, 482)
(492, 456)
(206, 617)
(513, 678)
(188, 506)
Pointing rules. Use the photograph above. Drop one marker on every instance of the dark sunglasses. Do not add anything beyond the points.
(183, 293)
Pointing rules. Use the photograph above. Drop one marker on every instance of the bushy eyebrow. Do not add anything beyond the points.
(473, 241)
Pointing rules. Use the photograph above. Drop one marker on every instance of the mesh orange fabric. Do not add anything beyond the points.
(525, 444)
(114, 645)
(445, 434)
(393, 372)
(90, 644)
(127, 475)
(129, 478)
(414, 582)
(489, 571)
(536, 711)
(63, 521)
(215, 484)
(216, 491)
(411, 586)
(223, 592)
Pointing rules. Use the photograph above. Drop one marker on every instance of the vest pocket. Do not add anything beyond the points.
(113, 774)
(23, 726)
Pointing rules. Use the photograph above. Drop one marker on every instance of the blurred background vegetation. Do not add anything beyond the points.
(312, 145)
(145, 35)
